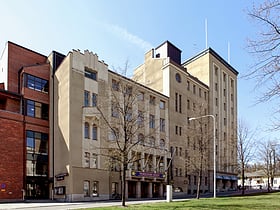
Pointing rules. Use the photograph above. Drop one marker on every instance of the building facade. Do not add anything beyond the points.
(79, 121)
(24, 114)
(203, 85)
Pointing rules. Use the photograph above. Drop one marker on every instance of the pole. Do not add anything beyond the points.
(214, 149)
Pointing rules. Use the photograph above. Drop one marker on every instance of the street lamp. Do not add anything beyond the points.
(214, 140)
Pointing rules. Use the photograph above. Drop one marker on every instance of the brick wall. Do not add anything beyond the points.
(19, 57)
(11, 155)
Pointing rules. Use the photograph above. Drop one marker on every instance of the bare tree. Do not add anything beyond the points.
(124, 120)
(265, 47)
(198, 154)
(245, 148)
(267, 153)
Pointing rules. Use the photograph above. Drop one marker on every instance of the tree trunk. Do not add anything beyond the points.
(243, 179)
(123, 183)
(198, 186)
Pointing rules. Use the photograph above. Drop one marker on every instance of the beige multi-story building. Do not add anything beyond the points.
(203, 85)
(89, 126)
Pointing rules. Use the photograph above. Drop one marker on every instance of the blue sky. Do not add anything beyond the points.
(123, 30)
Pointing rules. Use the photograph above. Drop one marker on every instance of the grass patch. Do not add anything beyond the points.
(268, 201)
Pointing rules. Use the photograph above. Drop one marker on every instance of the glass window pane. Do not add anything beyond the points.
(38, 110)
(38, 85)
(30, 109)
(29, 144)
(30, 82)
(94, 133)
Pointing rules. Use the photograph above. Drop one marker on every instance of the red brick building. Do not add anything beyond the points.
(24, 118)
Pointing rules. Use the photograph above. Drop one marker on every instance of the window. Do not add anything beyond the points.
(216, 86)
(206, 181)
(152, 141)
(95, 188)
(141, 139)
(140, 96)
(216, 101)
(89, 73)
(180, 172)
(36, 154)
(194, 89)
(36, 109)
(94, 161)
(216, 70)
(36, 83)
(114, 134)
(176, 171)
(152, 121)
(86, 98)
(86, 130)
(188, 104)
(162, 104)
(115, 112)
(178, 77)
(162, 125)
(128, 114)
(178, 102)
(176, 129)
(199, 92)
(162, 143)
(188, 85)
(180, 131)
(140, 118)
(152, 100)
(86, 188)
(94, 99)
(128, 90)
(224, 77)
(87, 161)
(94, 132)
(115, 85)
(205, 95)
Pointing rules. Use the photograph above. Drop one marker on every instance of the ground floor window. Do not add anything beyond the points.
(95, 189)
(86, 188)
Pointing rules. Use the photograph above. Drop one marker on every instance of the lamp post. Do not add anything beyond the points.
(214, 151)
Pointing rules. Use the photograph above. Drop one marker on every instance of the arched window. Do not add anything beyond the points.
(86, 130)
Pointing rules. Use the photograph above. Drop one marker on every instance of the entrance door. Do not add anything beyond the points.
(131, 189)
(37, 188)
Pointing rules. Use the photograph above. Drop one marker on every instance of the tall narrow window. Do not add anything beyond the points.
(152, 121)
(95, 189)
(180, 103)
(86, 98)
(94, 161)
(176, 102)
(94, 99)
(162, 125)
(94, 132)
(162, 105)
(86, 130)
(86, 188)
(87, 157)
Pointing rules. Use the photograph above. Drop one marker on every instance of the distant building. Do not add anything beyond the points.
(63, 148)
(258, 180)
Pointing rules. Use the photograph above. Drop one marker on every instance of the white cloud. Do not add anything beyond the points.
(124, 34)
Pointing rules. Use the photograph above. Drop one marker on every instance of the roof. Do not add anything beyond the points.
(216, 55)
